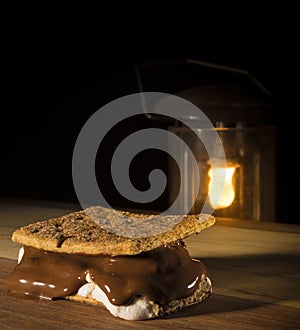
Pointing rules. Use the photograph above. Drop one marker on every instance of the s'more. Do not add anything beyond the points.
(146, 274)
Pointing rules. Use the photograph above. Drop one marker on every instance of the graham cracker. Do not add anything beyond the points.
(114, 232)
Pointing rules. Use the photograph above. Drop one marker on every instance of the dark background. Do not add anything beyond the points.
(54, 78)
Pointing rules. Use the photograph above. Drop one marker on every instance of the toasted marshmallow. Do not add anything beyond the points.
(21, 254)
(140, 309)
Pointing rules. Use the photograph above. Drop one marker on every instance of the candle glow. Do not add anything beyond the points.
(220, 190)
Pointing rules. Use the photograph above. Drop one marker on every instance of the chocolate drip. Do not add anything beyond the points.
(162, 274)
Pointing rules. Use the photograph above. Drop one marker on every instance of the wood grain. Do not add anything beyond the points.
(218, 312)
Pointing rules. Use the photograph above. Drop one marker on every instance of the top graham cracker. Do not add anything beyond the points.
(98, 230)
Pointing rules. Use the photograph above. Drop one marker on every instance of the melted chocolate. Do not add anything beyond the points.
(162, 274)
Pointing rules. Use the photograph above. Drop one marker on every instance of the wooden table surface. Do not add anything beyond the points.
(254, 269)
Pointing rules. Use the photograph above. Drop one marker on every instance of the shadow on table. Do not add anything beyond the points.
(245, 282)
(216, 303)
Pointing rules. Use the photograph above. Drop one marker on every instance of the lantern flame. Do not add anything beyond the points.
(220, 189)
